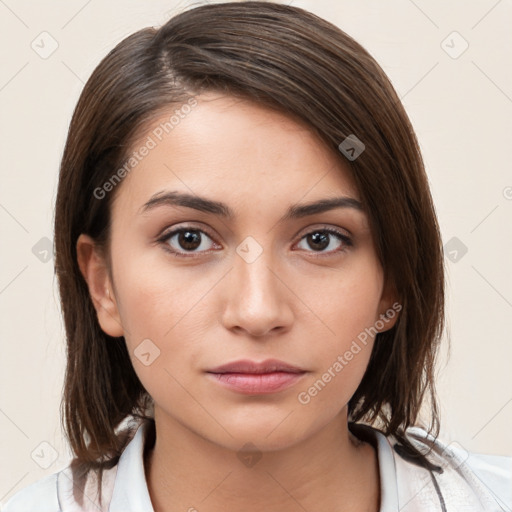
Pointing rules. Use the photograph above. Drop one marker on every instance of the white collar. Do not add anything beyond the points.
(131, 493)
(130, 489)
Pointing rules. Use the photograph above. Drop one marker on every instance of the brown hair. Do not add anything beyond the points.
(284, 58)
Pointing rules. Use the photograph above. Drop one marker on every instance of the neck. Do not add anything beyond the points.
(330, 471)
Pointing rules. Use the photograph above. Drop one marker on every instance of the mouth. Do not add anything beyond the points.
(250, 377)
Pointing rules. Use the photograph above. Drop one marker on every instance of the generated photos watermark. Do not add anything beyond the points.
(304, 397)
(150, 143)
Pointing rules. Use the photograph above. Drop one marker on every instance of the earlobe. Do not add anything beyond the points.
(389, 317)
(389, 309)
(95, 272)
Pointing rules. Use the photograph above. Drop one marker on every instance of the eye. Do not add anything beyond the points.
(326, 238)
(186, 240)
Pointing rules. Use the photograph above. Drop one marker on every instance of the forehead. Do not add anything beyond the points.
(230, 148)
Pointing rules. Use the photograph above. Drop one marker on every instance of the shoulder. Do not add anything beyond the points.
(73, 490)
(63, 492)
(41, 496)
(462, 479)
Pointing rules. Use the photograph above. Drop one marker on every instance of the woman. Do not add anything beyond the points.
(251, 277)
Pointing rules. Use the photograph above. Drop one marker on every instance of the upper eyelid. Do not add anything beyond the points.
(320, 226)
(324, 227)
(167, 233)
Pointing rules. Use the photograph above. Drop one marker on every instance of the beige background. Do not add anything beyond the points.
(460, 106)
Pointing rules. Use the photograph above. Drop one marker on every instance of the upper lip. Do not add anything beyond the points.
(247, 366)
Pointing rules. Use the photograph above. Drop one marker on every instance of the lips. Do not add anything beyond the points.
(253, 378)
(252, 367)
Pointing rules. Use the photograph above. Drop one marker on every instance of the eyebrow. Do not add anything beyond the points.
(203, 204)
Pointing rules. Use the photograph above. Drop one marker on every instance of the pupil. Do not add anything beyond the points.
(319, 238)
(189, 239)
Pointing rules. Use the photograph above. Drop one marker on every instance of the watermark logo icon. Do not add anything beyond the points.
(351, 147)
(146, 352)
(44, 45)
(249, 249)
(249, 455)
(44, 455)
(454, 45)
(43, 250)
(455, 249)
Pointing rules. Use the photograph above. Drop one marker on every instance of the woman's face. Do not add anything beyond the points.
(255, 273)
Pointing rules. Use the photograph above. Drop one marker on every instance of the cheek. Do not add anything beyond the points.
(159, 319)
(348, 306)
(338, 367)
(346, 301)
(156, 299)
(163, 315)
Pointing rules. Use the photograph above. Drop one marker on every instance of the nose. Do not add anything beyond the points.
(257, 297)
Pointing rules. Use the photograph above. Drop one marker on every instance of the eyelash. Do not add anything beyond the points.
(347, 242)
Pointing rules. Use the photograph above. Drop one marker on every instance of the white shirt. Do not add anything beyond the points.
(468, 482)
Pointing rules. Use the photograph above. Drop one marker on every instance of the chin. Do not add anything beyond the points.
(267, 434)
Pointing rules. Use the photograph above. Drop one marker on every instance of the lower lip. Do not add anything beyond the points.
(252, 383)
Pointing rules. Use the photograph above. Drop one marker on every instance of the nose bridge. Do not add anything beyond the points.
(257, 301)
(253, 264)
(257, 277)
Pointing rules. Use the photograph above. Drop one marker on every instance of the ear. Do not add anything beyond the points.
(389, 308)
(93, 267)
